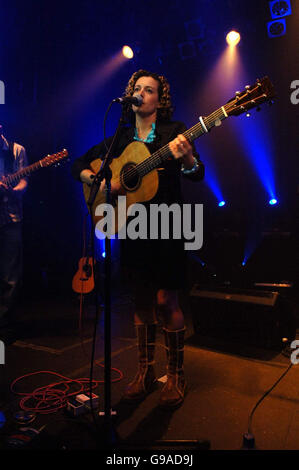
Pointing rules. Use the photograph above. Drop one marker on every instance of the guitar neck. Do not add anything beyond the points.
(205, 124)
(202, 127)
(16, 177)
(45, 162)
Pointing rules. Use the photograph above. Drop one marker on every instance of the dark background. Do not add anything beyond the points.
(57, 90)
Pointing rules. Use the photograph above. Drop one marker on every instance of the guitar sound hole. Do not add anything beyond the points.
(130, 178)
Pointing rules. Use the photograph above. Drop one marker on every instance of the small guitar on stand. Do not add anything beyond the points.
(49, 160)
(83, 280)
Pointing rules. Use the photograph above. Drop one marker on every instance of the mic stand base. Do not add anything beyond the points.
(167, 444)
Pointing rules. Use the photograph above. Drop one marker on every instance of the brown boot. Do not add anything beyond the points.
(172, 394)
(145, 377)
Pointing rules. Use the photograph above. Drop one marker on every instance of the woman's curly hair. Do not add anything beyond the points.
(165, 110)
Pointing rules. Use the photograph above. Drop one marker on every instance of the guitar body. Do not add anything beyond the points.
(83, 280)
(137, 190)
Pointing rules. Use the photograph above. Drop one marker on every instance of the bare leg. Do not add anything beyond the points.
(169, 309)
(172, 394)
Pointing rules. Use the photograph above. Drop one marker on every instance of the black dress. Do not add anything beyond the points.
(161, 262)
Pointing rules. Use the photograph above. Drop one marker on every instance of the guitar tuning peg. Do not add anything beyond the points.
(247, 87)
(237, 93)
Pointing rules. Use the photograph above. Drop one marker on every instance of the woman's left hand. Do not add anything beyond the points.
(181, 148)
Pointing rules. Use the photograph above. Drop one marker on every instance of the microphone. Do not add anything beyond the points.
(136, 100)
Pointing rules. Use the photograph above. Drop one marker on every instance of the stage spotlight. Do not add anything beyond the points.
(280, 8)
(103, 254)
(276, 28)
(127, 52)
(273, 201)
(221, 203)
(233, 38)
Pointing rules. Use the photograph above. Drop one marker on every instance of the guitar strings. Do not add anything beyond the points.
(19, 174)
(34, 166)
(165, 150)
(159, 155)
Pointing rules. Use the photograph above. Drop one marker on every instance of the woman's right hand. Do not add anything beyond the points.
(87, 176)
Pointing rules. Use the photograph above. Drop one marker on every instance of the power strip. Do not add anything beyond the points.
(81, 404)
(85, 400)
(75, 408)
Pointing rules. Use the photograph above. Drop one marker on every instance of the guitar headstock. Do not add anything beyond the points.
(262, 91)
(54, 158)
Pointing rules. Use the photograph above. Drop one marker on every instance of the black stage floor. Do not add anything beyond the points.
(224, 382)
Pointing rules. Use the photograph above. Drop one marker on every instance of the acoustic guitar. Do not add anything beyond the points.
(135, 168)
(83, 280)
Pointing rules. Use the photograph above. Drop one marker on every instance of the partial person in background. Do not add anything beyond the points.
(12, 159)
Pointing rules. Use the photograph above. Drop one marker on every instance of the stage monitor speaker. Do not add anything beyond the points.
(252, 317)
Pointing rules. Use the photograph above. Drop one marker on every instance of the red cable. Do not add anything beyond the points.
(51, 398)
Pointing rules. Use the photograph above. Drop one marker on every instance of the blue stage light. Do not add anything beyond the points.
(259, 149)
(211, 178)
(221, 203)
(280, 8)
(273, 201)
(103, 254)
(276, 28)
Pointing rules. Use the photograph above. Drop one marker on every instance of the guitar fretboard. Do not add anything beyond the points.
(202, 127)
(45, 162)
(15, 177)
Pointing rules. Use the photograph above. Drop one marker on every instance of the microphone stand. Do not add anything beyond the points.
(105, 173)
